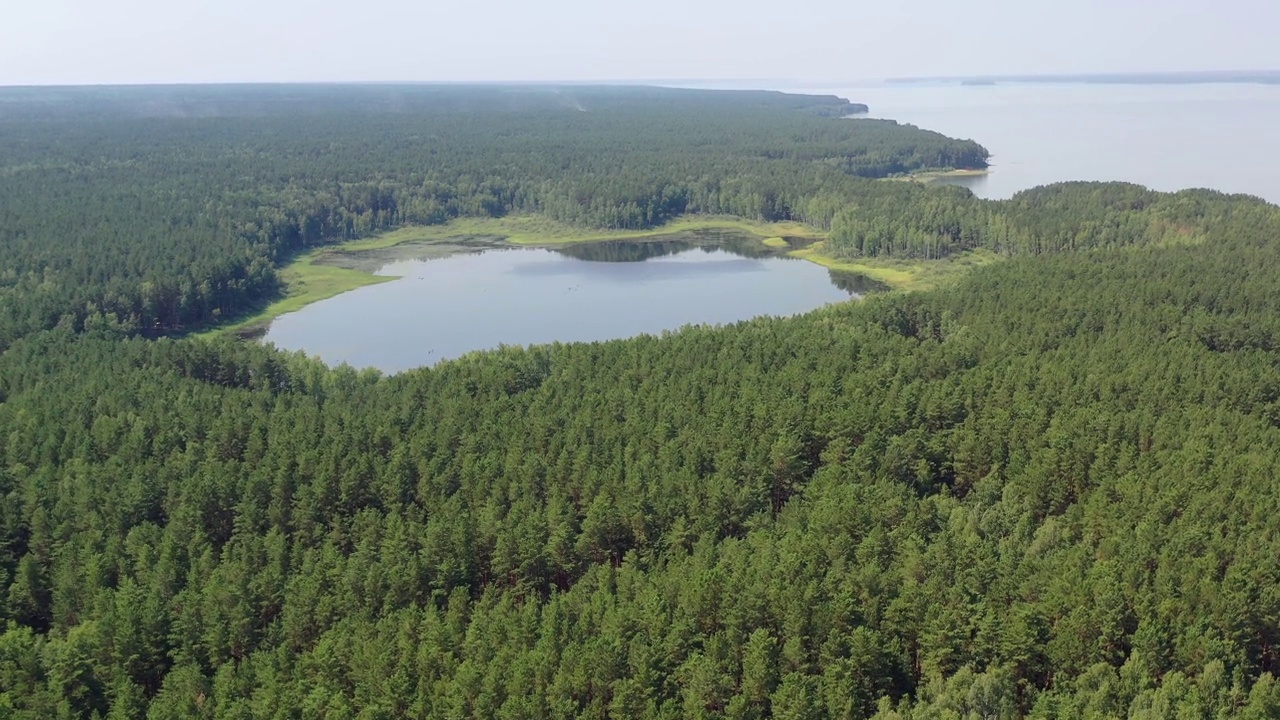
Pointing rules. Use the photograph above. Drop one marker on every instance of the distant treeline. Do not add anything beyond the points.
(1056, 218)
(164, 208)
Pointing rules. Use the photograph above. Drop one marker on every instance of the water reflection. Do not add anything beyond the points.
(976, 184)
(624, 251)
(689, 264)
(736, 243)
(856, 284)
(444, 308)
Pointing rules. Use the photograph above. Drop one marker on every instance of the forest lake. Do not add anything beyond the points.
(442, 308)
(1165, 137)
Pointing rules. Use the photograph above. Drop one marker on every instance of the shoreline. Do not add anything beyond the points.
(318, 274)
(929, 177)
(903, 275)
(305, 283)
(328, 271)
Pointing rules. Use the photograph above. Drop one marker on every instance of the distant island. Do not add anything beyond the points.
(1269, 77)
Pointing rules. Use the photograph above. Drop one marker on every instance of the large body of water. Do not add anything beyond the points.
(444, 308)
(1167, 137)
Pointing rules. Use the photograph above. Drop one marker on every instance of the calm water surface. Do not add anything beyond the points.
(1168, 137)
(444, 308)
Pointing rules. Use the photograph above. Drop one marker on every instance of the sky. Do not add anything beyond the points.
(167, 41)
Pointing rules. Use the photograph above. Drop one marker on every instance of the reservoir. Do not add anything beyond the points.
(1167, 137)
(443, 308)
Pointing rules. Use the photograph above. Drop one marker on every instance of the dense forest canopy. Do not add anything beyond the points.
(1046, 491)
(171, 207)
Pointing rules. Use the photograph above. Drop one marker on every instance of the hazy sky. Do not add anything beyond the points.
(137, 41)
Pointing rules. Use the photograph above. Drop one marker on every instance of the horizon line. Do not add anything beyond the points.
(756, 83)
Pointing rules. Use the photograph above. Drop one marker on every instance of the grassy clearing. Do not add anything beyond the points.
(904, 274)
(927, 177)
(413, 233)
(305, 283)
(776, 242)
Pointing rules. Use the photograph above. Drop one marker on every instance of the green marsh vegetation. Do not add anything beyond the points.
(1044, 488)
(926, 177)
(324, 272)
(170, 209)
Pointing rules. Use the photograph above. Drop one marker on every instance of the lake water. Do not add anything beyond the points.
(444, 308)
(1166, 137)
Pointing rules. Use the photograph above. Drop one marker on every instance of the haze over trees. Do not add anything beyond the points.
(171, 207)
(1046, 491)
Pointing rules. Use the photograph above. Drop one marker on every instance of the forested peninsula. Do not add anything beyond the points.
(172, 208)
(1045, 490)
